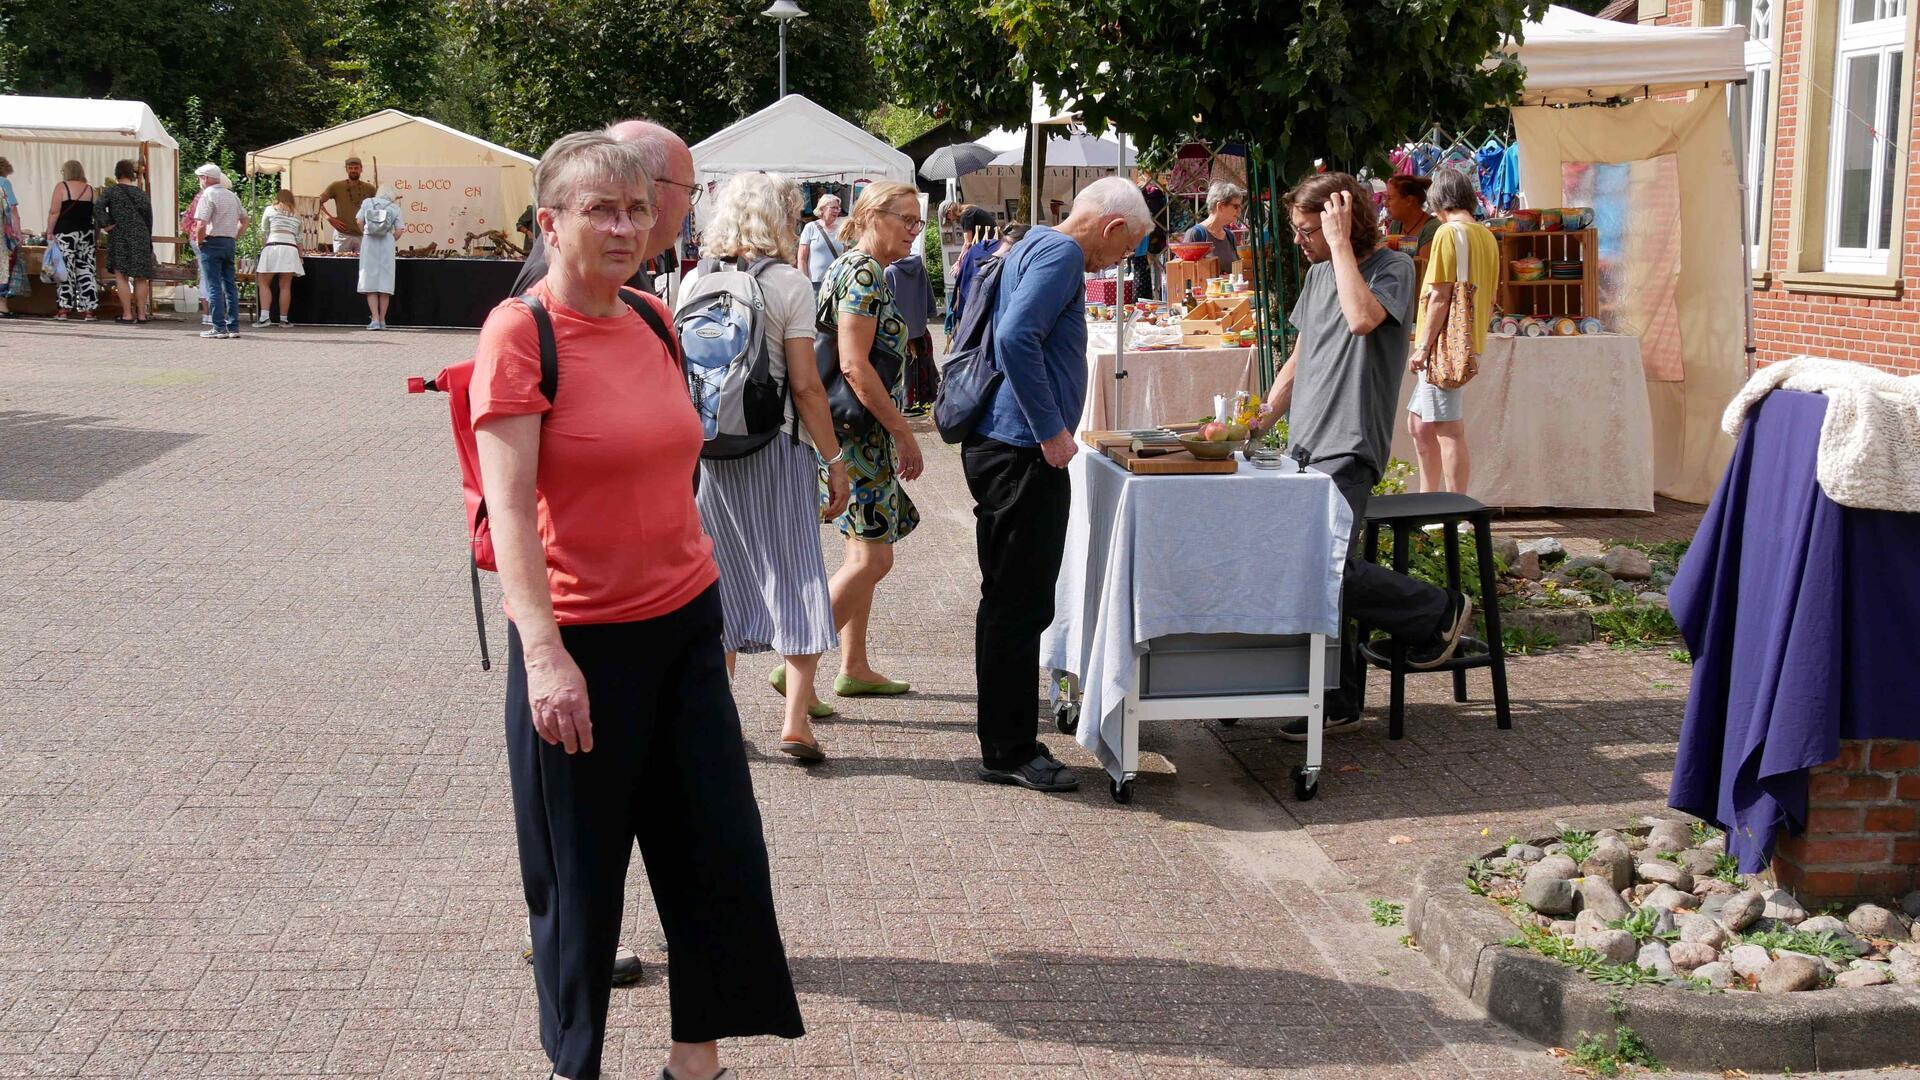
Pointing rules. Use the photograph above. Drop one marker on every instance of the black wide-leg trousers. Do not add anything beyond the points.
(668, 769)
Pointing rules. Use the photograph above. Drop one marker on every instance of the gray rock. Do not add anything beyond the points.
(1715, 844)
(1611, 863)
(1579, 563)
(1598, 581)
(1831, 967)
(1653, 956)
(1910, 904)
(1698, 862)
(1679, 832)
(1713, 905)
(1664, 922)
(1667, 898)
(1824, 924)
(1549, 549)
(1601, 836)
(1718, 974)
(1597, 896)
(1872, 920)
(1704, 887)
(1661, 872)
(1563, 928)
(1547, 895)
(1555, 865)
(1615, 946)
(1661, 579)
(1590, 921)
(1790, 972)
(1527, 566)
(1688, 955)
(1525, 853)
(1506, 550)
(1627, 563)
(1904, 965)
(1748, 961)
(1654, 598)
(1657, 845)
(1554, 848)
(1863, 965)
(1782, 907)
(1506, 867)
(1700, 930)
(1865, 977)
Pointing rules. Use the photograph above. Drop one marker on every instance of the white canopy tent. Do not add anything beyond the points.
(1572, 60)
(801, 139)
(39, 134)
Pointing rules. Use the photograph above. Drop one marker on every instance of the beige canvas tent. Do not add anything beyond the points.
(39, 134)
(393, 140)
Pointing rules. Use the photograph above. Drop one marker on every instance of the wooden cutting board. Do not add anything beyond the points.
(1118, 445)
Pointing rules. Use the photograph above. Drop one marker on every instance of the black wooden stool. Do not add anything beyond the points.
(1403, 514)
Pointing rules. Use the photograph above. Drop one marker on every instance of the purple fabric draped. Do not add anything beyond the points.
(1803, 617)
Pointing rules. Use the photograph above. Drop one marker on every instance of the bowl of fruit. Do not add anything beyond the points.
(1215, 441)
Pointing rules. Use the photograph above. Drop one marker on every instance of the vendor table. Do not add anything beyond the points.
(426, 292)
(1194, 597)
(1164, 385)
(42, 299)
(1801, 615)
(1555, 421)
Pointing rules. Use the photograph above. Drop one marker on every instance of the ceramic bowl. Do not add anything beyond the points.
(1190, 252)
(1207, 450)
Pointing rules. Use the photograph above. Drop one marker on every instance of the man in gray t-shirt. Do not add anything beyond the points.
(1341, 386)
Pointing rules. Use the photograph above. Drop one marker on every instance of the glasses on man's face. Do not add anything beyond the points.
(693, 191)
(1304, 235)
(914, 224)
(603, 216)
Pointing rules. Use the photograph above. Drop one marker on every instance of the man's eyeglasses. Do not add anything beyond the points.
(914, 224)
(603, 216)
(1307, 234)
(694, 191)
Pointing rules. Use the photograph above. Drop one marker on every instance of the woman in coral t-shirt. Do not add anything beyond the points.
(620, 721)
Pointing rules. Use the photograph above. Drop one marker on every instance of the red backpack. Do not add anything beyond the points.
(455, 380)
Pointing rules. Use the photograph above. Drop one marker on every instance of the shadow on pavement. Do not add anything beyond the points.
(52, 457)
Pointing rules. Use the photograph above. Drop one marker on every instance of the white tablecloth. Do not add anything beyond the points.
(1259, 552)
(1555, 421)
(1164, 386)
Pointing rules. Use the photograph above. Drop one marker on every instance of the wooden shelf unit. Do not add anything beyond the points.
(1577, 297)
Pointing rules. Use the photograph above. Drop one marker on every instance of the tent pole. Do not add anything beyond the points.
(1746, 227)
(1121, 275)
(1033, 171)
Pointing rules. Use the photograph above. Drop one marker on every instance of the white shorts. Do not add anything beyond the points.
(1432, 404)
(342, 244)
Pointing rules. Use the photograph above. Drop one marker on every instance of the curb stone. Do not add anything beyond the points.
(1552, 1004)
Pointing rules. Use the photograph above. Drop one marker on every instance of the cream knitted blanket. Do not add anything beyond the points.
(1870, 439)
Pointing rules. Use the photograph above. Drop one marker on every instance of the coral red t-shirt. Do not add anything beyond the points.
(617, 454)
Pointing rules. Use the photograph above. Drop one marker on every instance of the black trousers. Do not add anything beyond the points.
(1405, 607)
(668, 768)
(1020, 528)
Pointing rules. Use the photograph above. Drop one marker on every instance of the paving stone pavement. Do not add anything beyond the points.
(256, 816)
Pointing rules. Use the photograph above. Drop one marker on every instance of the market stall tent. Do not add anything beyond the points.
(802, 139)
(39, 134)
(392, 138)
(1572, 60)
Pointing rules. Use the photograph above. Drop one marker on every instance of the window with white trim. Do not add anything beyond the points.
(1750, 107)
(1868, 80)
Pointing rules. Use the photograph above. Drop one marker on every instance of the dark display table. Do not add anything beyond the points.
(426, 292)
(1802, 616)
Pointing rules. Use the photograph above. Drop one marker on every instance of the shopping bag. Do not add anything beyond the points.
(53, 265)
(1455, 362)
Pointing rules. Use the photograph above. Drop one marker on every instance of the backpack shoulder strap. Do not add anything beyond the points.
(645, 310)
(549, 351)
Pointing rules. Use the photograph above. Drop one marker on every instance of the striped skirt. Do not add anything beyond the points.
(762, 514)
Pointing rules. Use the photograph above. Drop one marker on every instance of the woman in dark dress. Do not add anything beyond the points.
(125, 214)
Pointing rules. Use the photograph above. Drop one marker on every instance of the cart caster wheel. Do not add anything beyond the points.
(1229, 721)
(1122, 791)
(1066, 718)
(1304, 787)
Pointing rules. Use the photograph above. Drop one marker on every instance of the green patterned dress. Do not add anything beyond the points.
(880, 511)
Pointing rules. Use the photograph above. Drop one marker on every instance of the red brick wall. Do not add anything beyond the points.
(1885, 333)
(1862, 840)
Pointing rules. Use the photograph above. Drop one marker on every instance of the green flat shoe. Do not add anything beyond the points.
(777, 678)
(848, 686)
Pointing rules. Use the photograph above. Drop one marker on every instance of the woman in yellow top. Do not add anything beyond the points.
(1433, 414)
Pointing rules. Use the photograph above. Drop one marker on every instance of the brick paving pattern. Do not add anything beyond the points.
(256, 814)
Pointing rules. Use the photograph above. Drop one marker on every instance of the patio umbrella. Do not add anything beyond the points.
(1074, 151)
(953, 162)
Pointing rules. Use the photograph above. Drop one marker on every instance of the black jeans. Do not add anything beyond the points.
(667, 768)
(1020, 514)
(1407, 608)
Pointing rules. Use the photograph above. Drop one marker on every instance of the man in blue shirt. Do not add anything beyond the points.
(1016, 461)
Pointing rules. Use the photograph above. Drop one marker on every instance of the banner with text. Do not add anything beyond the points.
(444, 204)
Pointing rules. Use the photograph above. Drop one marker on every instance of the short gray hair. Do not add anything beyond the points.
(1115, 196)
(754, 213)
(1224, 191)
(1451, 190)
(587, 157)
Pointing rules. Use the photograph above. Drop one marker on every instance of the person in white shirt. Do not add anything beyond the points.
(217, 221)
(280, 260)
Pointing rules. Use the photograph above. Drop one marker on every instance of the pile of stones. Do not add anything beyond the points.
(1660, 901)
(1557, 594)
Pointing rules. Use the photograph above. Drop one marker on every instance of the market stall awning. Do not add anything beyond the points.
(1073, 151)
(81, 120)
(390, 127)
(1571, 57)
(802, 139)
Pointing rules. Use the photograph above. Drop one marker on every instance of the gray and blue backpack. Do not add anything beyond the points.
(738, 384)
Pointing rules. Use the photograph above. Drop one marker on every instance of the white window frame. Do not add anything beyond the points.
(1763, 74)
(1885, 37)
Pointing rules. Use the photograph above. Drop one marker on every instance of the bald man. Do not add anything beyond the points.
(671, 165)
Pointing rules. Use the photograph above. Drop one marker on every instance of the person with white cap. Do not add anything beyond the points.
(218, 219)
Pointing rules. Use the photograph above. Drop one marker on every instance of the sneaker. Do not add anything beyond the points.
(284, 321)
(264, 320)
(1043, 773)
(1296, 728)
(1441, 649)
(373, 324)
(213, 333)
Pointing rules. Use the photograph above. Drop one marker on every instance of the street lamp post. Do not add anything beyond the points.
(785, 11)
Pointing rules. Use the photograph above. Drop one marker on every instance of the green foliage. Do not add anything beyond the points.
(1641, 925)
(899, 125)
(1586, 961)
(1576, 845)
(1276, 436)
(935, 259)
(1634, 625)
(1823, 944)
(1665, 555)
(1726, 868)
(1628, 1051)
(1680, 656)
(1525, 641)
(1394, 480)
(1701, 832)
(1385, 913)
(1478, 874)
(1307, 81)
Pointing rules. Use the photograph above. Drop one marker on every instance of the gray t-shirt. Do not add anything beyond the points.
(1345, 387)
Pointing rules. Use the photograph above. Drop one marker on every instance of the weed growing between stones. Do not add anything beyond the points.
(1587, 962)
(1822, 945)
(1385, 913)
(1627, 1052)
(1641, 924)
(1634, 626)
(1576, 845)
(1680, 656)
(1726, 868)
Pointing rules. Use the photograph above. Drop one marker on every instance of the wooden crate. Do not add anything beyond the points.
(1575, 297)
(1180, 273)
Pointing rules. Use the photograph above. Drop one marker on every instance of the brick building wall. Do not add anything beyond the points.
(1862, 840)
(1787, 323)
